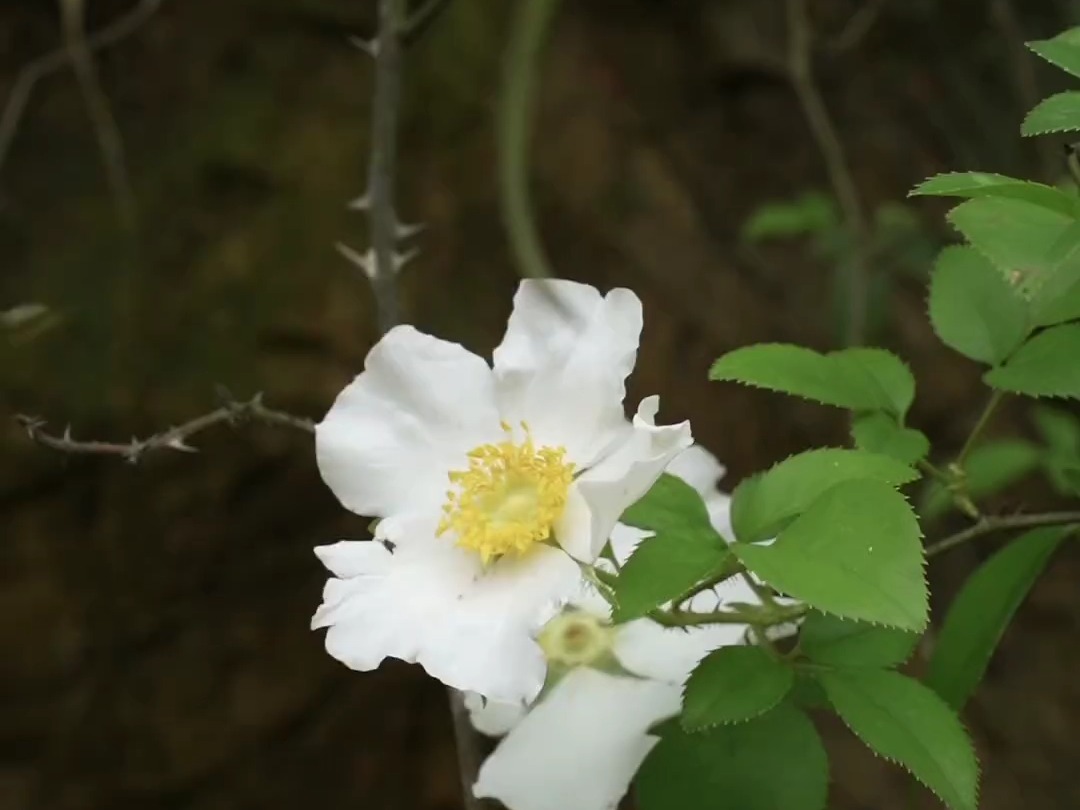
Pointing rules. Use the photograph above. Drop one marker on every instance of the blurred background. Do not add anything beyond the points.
(154, 641)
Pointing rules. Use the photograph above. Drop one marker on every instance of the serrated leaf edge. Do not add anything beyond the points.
(902, 766)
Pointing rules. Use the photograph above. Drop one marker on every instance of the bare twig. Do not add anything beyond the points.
(175, 438)
(989, 525)
(836, 165)
(31, 73)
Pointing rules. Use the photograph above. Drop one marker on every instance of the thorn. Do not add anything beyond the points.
(368, 46)
(134, 450)
(401, 259)
(365, 261)
(403, 230)
(179, 444)
(361, 203)
(67, 434)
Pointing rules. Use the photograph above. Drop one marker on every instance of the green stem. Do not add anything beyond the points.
(935, 472)
(989, 525)
(731, 567)
(976, 432)
(514, 130)
(757, 617)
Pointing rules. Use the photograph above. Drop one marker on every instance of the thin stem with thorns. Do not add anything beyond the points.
(175, 438)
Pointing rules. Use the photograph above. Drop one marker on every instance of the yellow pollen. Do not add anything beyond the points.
(509, 498)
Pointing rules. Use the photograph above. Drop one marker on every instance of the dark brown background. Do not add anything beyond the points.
(154, 648)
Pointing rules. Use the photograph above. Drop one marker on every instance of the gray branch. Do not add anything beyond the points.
(232, 412)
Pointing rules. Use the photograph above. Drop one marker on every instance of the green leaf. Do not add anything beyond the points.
(990, 468)
(1016, 236)
(892, 376)
(1066, 307)
(1051, 292)
(833, 641)
(671, 505)
(1047, 365)
(663, 567)
(905, 722)
(1058, 428)
(763, 504)
(1059, 113)
(879, 433)
(982, 610)
(856, 552)
(736, 766)
(812, 213)
(973, 309)
(732, 685)
(983, 184)
(1060, 431)
(862, 380)
(807, 693)
(684, 550)
(1063, 50)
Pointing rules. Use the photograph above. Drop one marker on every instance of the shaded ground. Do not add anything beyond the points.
(155, 651)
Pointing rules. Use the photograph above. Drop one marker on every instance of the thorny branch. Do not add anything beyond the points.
(31, 73)
(382, 261)
(828, 142)
(233, 412)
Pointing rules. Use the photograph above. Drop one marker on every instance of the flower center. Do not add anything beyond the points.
(575, 639)
(509, 498)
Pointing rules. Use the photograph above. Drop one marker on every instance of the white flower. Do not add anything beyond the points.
(580, 745)
(539, 459)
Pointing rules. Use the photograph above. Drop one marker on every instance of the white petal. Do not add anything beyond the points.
(719, 506)
(395, 432)
(573, 531)
(430, 602)
(493, 717)
(631, 468)
(563, 363)
(670, 654)
(699, 468)
(580, 746)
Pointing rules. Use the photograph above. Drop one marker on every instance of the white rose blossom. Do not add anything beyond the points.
(580, 745)
(489, 483)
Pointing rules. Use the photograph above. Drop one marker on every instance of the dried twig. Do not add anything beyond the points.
(836, 165)
(31, 73)
(175, 438)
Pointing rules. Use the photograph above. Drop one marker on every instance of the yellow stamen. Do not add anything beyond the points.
(509, 498)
